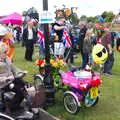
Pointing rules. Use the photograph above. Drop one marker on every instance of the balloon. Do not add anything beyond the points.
(99, 54)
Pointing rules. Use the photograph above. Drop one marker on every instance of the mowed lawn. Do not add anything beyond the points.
(108, 107)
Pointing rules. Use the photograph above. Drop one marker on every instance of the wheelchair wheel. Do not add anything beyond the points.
(70, 103)
(5, 117)
(88, 102)
(38, 81)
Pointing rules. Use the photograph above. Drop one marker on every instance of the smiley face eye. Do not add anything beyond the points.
(99, 54)
(104, 50)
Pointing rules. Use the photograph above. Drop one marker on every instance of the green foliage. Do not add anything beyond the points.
(83, 17)
(73, 18)
(108, 15)
(92, 19)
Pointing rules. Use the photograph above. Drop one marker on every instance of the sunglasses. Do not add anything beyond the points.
(100, 53)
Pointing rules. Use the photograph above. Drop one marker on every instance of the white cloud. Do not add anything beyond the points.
(86, 7)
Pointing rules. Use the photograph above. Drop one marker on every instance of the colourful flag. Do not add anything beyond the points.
(40, 36)
(66, 39)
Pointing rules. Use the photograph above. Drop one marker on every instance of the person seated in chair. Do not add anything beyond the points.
(11, 78)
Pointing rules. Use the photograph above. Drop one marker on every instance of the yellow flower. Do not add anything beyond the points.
(52, 61)
(55, 64)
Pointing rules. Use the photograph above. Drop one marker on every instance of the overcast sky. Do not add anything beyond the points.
(85, 7)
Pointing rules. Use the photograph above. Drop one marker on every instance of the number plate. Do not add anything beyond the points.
(93, 92)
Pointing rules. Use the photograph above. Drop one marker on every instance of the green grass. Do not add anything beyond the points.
(108, 108)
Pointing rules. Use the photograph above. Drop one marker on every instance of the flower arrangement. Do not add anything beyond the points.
(56, 64)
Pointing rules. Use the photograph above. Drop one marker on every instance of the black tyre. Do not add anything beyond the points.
(70, 103)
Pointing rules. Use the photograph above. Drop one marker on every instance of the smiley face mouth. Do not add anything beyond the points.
(103, 60)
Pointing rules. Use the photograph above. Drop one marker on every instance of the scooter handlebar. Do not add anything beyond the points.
(21, 74)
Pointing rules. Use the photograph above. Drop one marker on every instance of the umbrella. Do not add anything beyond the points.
(14, 18)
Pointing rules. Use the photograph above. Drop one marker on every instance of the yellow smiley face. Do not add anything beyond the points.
(99, 54)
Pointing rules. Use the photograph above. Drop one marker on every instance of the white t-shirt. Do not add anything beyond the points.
(30, 34)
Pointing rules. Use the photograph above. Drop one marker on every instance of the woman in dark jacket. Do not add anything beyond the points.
(29, 38)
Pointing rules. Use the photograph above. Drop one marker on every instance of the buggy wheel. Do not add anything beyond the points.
(89, 102)
(70, 103)
(38, 81)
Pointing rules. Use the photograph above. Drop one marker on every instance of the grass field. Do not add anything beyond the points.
(108, 108)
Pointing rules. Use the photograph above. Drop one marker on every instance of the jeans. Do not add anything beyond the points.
(109, 63)
(69, 55)
(85, 59)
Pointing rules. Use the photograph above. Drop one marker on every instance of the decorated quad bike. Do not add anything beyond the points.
(83, 89)
(80, 87)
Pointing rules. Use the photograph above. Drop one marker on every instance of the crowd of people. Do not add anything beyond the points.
(65, 40)
(83, 37)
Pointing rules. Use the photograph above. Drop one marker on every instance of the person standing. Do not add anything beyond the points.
(106, 41)
(83, 29)
(58, 30)
(59, 27)
(18, 32)
(82, 34)
(29, 38)
(87, 48)
(118, 42)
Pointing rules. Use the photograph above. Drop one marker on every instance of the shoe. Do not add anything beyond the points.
(107, 73)
(29, 60)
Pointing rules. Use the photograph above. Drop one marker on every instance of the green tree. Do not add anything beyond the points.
(73, 18)
(92, 19)
(108, 15)
(83, 17)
